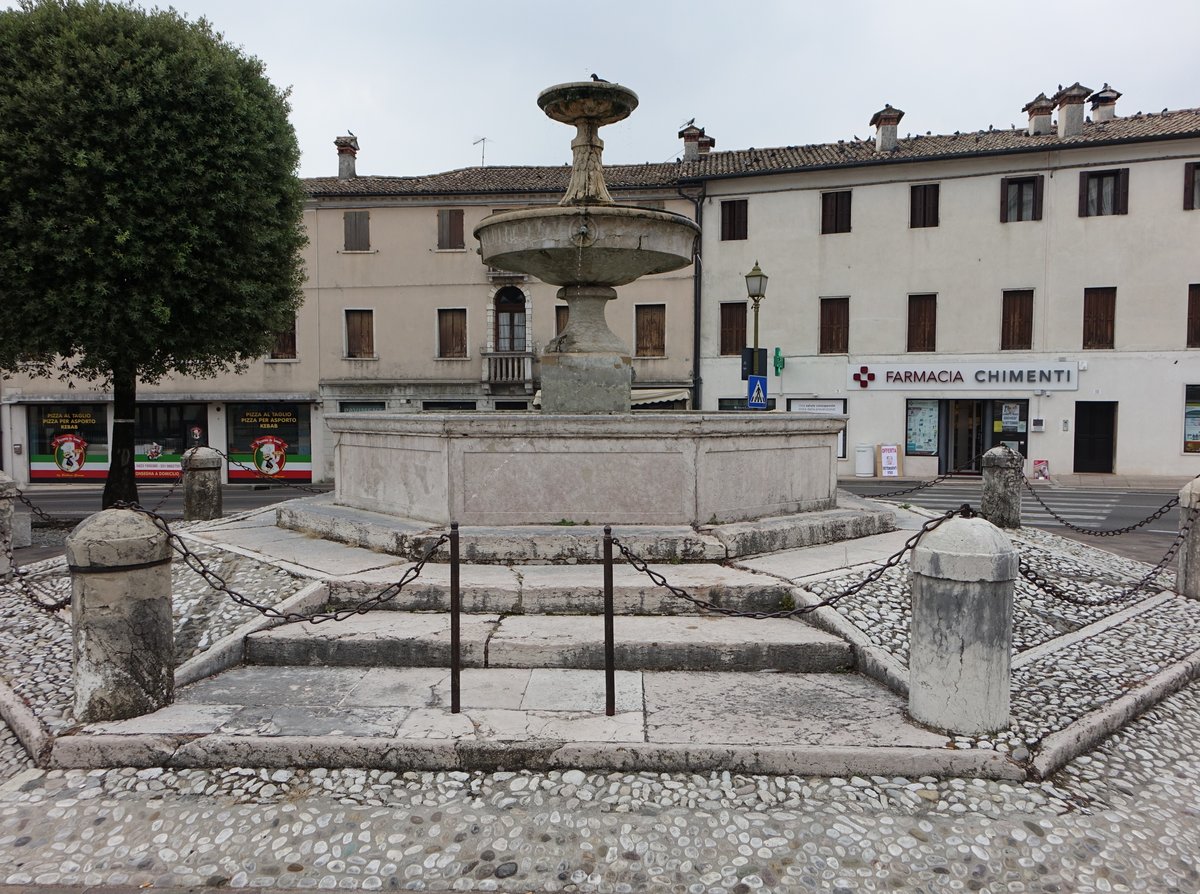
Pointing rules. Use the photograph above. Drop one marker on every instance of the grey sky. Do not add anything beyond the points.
(419, 82)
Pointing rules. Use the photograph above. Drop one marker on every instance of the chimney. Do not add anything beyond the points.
(884, 121)
(695, 143)
(347, 148)
(1070, 109)
(1040, 109)
(1104, 104)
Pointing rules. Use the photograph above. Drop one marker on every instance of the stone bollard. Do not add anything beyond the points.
(123, 653)
(960, 641)
(201, 484)
(8, 496)
(1003, 476)
(1189, 550)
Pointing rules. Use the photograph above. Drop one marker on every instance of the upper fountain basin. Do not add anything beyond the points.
(598, 101)
(601, 245)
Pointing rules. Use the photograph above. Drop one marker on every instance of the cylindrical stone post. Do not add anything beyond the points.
(960, 638)
(1003, 475)
(1189, 551)
(123, 653)
(201, 484)
(8, 494)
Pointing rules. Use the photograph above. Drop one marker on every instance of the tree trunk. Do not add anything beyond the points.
(121, 484)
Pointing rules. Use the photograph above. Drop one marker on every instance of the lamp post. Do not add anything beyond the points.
(756, 288)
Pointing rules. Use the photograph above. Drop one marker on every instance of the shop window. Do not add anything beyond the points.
(921, 427)
(512, 405)
(822, 407)
(269, 440)
(161, 433)
(733, 328)
(741, 403)
(562, 313)
(650, 329)
(443, 406)
(285, 343)
(1099, 317)
(360, 334)
(1016, 324)
(358, 230)
(835, 212)
(68, 442)
(922, 323)
(1020, 198)
(835, 326)
(1191, 420)
(734, 219)
(1193, 316)
(450, 229)
(1104, 192)
(923, 205)
(452, 332)
(1191, 186)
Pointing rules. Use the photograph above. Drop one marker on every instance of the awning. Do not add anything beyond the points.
(641, 397)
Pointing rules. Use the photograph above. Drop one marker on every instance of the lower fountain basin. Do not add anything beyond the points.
(607, 245)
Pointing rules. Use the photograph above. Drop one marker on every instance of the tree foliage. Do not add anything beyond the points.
(150, 214)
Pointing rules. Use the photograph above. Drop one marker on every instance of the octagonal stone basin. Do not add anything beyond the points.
(608, 245)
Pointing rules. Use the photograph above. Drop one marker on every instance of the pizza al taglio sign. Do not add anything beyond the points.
(981, 376)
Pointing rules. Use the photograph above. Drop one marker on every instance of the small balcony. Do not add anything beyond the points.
(495, 274)
(509, 368)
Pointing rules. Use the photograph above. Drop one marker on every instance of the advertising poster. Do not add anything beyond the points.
(921, 428)
(269, 441)
(822, 407)
(1191, 420)
(889, 460)
(68, 442)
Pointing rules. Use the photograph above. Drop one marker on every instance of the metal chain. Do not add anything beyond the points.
(640, 565)
(1051, 589)
(896, 493)
(23, 579)
(170, 492)
(44, 516)
(1096, 532)
(261, 474)
(218, 583)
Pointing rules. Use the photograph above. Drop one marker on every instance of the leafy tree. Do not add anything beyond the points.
(150, 214)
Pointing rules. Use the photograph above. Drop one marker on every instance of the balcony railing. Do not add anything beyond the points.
(508, 368)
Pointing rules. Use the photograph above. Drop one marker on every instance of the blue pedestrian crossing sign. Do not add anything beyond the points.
(756, 392)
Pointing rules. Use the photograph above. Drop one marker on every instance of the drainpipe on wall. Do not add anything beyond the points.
(698, 203)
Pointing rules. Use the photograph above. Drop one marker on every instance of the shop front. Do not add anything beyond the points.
(269, 440)
(162, 432)
(68, 443)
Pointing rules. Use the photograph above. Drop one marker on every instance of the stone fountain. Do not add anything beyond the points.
(586, 457)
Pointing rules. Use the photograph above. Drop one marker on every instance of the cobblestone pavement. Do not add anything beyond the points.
(1123, 818)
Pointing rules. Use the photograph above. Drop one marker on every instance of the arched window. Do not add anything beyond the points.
(510, 319)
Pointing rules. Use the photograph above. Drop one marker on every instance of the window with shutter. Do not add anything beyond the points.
(733, 328)
(835, 212)
(360, 333)
(509, 334)
(1021, 198)
(922, 322)
(1016, 324)
(1099, 317)
(734, 218)
(358, 230)
(285, 343)
(450, 229)
(650, 329)
(1102, 193)
(835, 326)
(1193, 316)
(452, 332)
(923, 205)
(1191, 186)
(562, 314)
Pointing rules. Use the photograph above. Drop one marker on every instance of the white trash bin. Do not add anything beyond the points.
(864, 461)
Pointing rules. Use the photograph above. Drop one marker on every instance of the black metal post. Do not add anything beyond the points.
(610, 675)
(455, 611)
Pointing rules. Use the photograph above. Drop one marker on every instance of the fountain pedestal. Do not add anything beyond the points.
(586, 369)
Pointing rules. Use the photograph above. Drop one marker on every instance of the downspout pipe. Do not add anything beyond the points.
(697, 200)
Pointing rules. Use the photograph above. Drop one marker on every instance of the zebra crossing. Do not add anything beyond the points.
(1084, 508)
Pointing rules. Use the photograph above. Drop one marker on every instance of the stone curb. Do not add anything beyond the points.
(1060, 748)
(332, 752)
(34, 735)
(230, 649)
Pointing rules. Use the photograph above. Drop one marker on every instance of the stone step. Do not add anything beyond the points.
(568, 589)
(544, 544)
(682, 643)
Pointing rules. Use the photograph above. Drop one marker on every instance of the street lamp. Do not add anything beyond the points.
(756, 288)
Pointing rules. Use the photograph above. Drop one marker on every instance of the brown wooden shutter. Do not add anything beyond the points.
(1190, 173)
(650, 330)
(360, 333)
(452, 332)
(916, 206)
(285, 343)
(1038, 185)
(1004, 181)
(844, 212)
(1099, 317)
(733, 328)
(922, 322)
(835, 325)
(456, 229)
(1193, 317)
(357, 230)
(1016, 327)
(450, 228)
(1083, 193)
(562, 314)
(828, 212)
(1122, 191)
(734, 219)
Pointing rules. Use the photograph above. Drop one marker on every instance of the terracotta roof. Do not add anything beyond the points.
(750, 162)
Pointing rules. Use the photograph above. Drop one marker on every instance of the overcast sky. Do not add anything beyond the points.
(420, 82)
